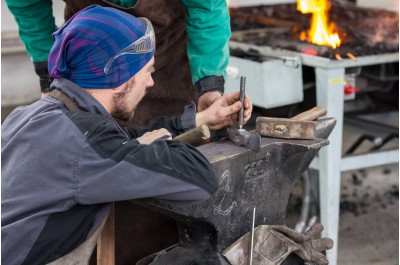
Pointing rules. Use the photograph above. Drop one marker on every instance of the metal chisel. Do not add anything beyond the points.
(242, 95)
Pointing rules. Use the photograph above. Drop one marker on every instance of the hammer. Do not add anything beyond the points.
(241, 136)
(301, 126)
(197, 136)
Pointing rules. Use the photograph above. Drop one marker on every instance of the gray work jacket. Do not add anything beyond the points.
(62, 169)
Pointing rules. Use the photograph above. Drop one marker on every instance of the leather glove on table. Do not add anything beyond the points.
(274, 243)
(44, 77)
(311, 247)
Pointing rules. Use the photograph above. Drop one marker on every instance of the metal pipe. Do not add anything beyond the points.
(385, 140)
(252, 237)
(376, 141)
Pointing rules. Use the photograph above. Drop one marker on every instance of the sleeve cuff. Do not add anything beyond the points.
(210, 83)
(188, 119)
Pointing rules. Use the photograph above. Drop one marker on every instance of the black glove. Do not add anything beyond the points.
(44, 77)
(210, 83)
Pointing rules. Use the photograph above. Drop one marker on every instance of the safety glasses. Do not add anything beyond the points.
(145, 44)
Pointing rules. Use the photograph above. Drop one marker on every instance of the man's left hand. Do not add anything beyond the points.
(206, 99)
(224, 112)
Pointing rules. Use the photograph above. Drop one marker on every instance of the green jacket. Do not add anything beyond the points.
(207, 25)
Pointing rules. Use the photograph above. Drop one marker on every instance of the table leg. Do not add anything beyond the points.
(106, 242)
(330, 94)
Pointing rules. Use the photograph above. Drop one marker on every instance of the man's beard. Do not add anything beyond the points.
(120, 105)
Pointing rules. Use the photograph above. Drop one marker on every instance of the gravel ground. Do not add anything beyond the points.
(369, 217)
(369, 213)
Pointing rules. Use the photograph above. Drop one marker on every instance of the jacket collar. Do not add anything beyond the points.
(84, 100)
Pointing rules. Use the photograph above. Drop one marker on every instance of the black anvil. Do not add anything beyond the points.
(262, 180)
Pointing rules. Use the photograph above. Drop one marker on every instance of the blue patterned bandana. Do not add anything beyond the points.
(94, 37)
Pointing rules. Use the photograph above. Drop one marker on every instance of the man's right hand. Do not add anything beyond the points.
(150, 137)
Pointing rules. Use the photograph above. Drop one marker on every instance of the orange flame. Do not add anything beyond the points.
(321, 32)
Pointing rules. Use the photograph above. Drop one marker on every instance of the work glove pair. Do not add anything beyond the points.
(44, 77)
(274, 243)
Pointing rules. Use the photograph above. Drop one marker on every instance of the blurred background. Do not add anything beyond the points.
(369, 206)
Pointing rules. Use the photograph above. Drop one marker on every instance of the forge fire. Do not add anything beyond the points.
(321, 32)
(332, 29)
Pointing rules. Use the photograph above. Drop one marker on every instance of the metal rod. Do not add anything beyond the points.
(242, 95)
(252, 237)
(351, 56)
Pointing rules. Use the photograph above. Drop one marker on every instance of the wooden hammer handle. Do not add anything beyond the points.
(311, 114)
(197, 136)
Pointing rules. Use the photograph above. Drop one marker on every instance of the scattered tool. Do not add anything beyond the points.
(197, 136)
(301, 126)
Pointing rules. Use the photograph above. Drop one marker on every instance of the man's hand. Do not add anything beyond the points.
(224, 112)
(206, 99)
(150, 137)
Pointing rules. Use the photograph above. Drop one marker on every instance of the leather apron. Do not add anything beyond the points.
(139, 231)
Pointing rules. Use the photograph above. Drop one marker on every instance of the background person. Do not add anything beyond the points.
(185, 29)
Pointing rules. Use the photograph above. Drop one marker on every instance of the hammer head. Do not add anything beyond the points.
(244, 138)
(285, 128)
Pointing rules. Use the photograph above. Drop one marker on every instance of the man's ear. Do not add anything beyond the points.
(119, 89)
(125, 86)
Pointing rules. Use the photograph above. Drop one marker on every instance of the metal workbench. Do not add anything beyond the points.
(330, 76)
